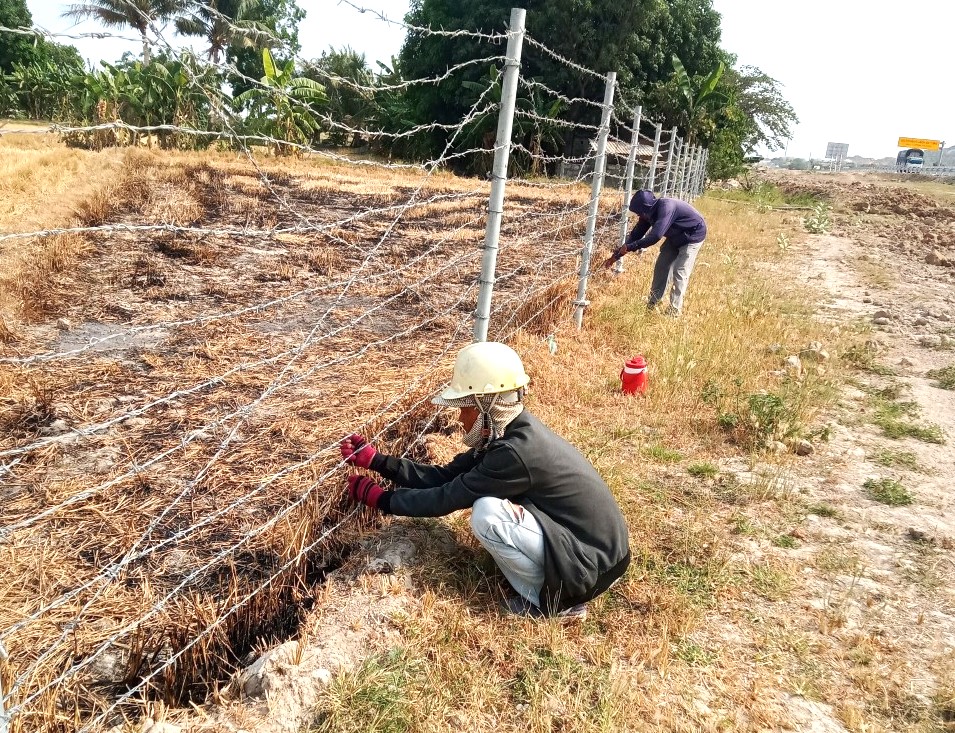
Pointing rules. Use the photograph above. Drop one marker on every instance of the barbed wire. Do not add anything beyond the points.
(529, 281)
(112, 572)
(242, 412)
(158, 606)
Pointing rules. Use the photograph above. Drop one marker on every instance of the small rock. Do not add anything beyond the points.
(57, 427)
(815, 352)
(921, 321)
(794, 365)
(392, 557)
(777, 446)
(881, 321)
(906, 362)
(867, 299)
(945, 341)
(936, 258)
(803, 448)
(64, 324)
(262, 675)
(932, 341)
(918, 535)
(323, 676)
(944, 317)
(774, 348)
(881, 313)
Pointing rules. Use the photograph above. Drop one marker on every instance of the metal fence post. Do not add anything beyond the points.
(691, 172)
(628, 180)
(687, 168)
(680, 179)
(502, 151)
(671, 151)
(697, 157)
(651, 184)
(673, 155)
(596, 186)
(4, 718)
(698, 184)
(706, 162)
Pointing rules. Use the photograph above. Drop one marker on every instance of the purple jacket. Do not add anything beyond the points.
(661, 218)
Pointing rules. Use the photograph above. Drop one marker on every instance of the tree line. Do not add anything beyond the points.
(667, 55)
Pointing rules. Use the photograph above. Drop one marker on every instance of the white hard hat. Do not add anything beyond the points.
(485, 368)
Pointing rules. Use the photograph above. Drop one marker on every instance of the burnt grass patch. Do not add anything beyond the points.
(177, 517)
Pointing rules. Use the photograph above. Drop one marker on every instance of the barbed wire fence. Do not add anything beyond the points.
(172, 488)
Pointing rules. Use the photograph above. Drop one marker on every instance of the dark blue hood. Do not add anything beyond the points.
(642, 203)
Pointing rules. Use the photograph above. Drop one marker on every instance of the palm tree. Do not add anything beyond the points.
(222, 23)
(138, 14)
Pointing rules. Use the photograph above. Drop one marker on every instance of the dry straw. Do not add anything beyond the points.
(99, 582)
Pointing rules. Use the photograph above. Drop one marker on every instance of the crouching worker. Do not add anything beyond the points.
(537, 505)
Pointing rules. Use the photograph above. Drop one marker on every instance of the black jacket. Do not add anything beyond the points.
(584, 529)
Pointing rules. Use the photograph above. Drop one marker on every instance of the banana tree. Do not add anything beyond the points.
(698, 99)
(282, 106)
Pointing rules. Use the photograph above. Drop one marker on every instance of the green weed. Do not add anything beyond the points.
(771, 582)
(898, 459)
(693, 654)
(702, 470)
(818, 220)
(888, 491)
(944, 378)
(890, 415)
(662, 454)
(823, 510)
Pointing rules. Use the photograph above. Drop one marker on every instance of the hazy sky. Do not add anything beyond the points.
(856, 71)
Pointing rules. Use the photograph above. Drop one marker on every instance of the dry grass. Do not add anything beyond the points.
(652, 656)
(705, 633)
(398, 300)
(696, 637)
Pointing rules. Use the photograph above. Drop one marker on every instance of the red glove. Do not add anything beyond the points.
(365, 491)
(356, 451)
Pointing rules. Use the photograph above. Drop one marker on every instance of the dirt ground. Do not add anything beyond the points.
(865, 640)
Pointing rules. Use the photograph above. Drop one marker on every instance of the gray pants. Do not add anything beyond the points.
(515, 540)
(674, 263)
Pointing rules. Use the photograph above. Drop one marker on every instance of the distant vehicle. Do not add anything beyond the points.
(910, 160)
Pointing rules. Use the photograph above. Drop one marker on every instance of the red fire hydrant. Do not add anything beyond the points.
(633, 378)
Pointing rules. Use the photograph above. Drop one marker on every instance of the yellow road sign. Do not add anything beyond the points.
(917, 142)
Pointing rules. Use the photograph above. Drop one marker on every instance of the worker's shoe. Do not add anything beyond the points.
(574, 613)
(520, 606)
(672, 312)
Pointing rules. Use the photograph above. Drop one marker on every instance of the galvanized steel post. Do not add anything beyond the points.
(687, 169)
(671, 151)
(595, 188)
(4, 718)
(502, 151)
(700, 172)
(628, 180)
(681, 178)
(651, 183)
(691, 181)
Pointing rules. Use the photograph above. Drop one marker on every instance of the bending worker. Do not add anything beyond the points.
(537, 505)
(682, 229)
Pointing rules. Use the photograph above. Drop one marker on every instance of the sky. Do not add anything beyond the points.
(856, 71)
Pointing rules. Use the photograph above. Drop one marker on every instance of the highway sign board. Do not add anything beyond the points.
(920, 143)
(837, 151)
